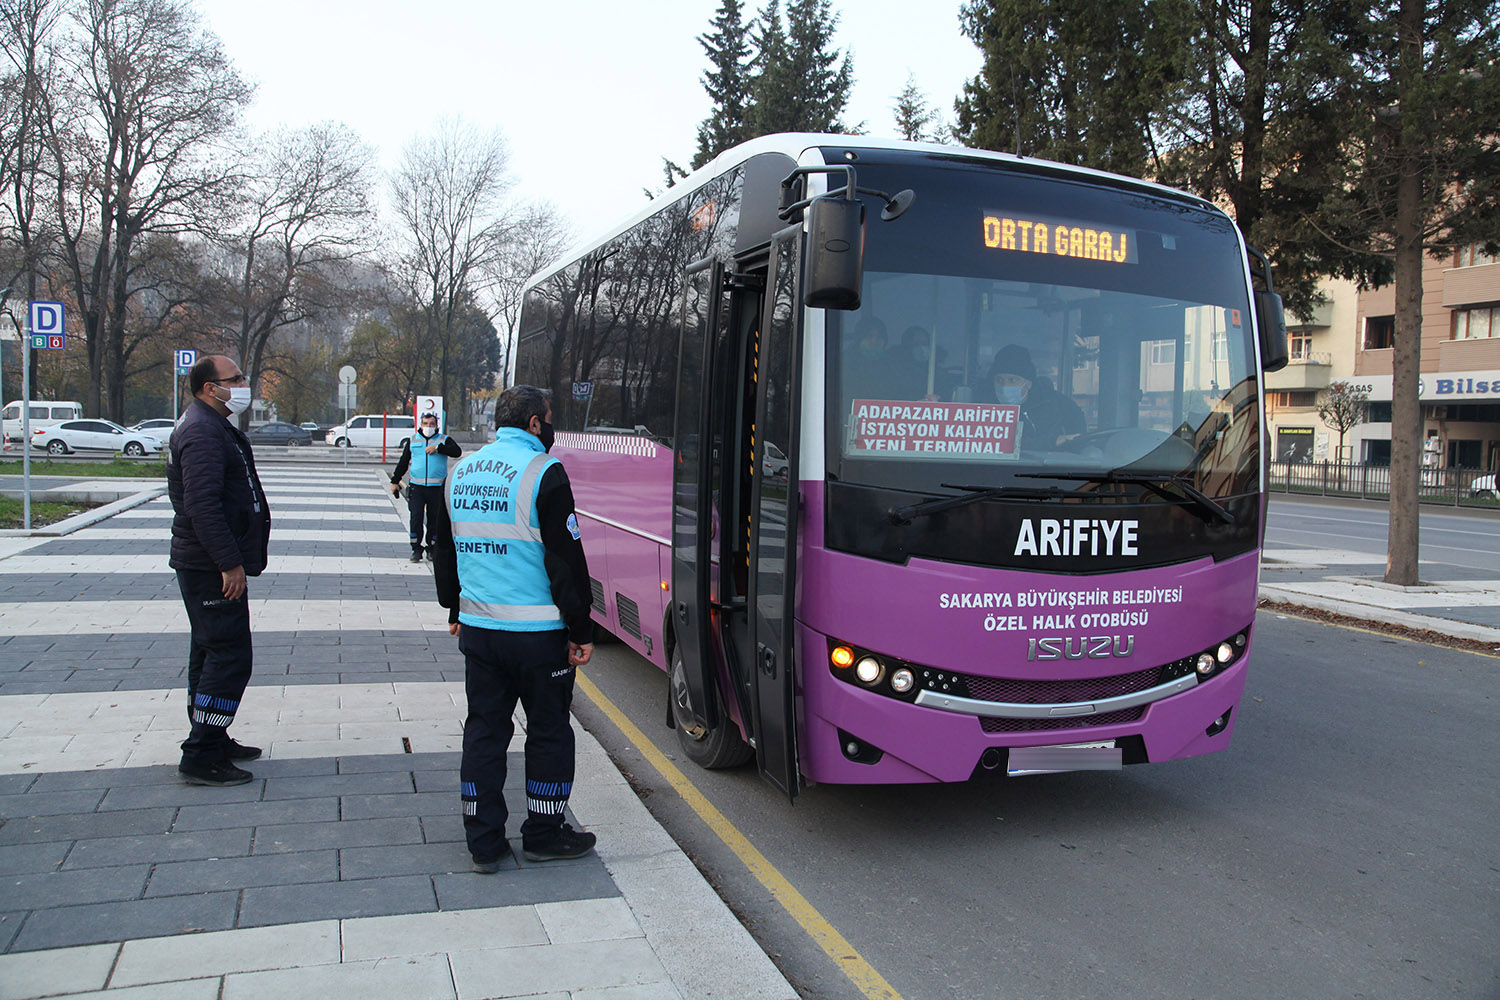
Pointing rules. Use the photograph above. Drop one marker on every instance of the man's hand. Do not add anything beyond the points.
(396, 489)
(431, 449)
(453, 628)
(579, 655)
(234, 583)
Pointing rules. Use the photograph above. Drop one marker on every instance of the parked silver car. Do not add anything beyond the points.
(94, 435)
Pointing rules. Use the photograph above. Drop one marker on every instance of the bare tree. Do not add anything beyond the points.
(135, 143)
(538, 238)
(304, 209)
(450, 199)
(28, 71)
(1342, 406)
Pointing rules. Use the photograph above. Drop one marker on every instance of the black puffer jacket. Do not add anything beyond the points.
(222, 518)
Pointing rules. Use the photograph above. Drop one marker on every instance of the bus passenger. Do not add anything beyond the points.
(906, 364)
(1048, 417)
(862, 361)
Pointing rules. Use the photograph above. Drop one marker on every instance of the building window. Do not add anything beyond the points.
(1476, 324)
(1380, 332)
(1163, 352)
(1473, 255)
(1378, 412)
(1300, 345)
(1296, 398)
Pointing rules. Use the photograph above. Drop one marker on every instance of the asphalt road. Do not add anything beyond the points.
(1453, 545)
(1346, 845)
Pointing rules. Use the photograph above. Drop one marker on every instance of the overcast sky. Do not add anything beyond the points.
(589, 94)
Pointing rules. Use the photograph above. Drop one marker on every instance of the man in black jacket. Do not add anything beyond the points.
(220, 533)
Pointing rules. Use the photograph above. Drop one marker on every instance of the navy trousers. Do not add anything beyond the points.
(420, 499)
(219, 662)
(500, 669)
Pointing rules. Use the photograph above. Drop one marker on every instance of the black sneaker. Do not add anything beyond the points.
(238, 751)
(490, 865)
(416, 557)
(220, 772)
(566, 843)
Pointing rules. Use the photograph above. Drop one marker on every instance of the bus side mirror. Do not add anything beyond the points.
(1270, 323)
(835, 253)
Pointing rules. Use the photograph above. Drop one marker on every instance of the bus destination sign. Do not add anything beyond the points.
(913, 429)
(1059, 238)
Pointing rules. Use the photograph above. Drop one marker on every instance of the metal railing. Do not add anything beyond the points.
(1458, 487)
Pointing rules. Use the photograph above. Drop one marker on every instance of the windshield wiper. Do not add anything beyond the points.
(1194, 499)
(902, 516)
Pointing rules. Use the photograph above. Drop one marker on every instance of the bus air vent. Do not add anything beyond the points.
(630, 614)
(1078, 722)
(598, 590)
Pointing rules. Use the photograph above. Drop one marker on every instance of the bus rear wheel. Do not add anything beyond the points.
(713, 749)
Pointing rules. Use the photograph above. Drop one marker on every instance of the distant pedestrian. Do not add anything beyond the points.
(425, 464)
(511, 570)
(220, 530)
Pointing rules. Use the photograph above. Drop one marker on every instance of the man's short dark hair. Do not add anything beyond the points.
(203, 372)
(518, 404)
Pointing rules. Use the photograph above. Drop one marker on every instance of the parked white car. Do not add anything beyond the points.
(94, 435)
(1484, 486)
(44, 413)
(364, 431)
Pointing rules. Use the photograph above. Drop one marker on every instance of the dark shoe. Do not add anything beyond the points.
(238, 751)
(416, 556)
(566, 843)
(489, 866)
(429, 555)
(220, 772)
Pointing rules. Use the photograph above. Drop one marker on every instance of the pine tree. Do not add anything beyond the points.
(912, 114)
(727, 82)
(801, 84)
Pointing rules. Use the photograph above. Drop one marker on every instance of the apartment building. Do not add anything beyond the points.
(1349, 339)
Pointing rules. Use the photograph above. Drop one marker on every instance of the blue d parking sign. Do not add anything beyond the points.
(48, 329)
(583, 390)
(186, 358)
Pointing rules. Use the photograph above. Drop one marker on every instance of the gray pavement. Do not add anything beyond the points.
(341, 869)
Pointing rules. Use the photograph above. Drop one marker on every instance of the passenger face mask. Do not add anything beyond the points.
(546, 436)
(239, 398)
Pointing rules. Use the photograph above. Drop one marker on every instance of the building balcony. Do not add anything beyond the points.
(1321, 318)
(1312, 372)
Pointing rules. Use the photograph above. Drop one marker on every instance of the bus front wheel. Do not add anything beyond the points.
(713, 749)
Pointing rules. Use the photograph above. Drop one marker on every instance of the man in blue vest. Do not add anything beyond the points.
(511, 570)
(426, 458)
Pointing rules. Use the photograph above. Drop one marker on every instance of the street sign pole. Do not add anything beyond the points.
(347, 375)
(26, 429)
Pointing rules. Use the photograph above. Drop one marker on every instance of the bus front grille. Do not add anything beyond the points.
(992, 725)
(1045, 692)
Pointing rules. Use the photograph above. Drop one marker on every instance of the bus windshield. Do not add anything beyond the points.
(1058, 330)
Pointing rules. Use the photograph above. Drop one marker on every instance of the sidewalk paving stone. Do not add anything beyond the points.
(339, 833)
(93, 923)
(40, 974)
(195, 845)
(66, 887)
(372, 897)
(182, 878)
(256, 814)
(154, 960)
(418, 978)
(75, 826)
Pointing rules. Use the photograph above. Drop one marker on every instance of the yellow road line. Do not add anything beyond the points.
(860, 972)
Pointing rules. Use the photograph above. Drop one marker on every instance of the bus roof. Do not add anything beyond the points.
(795, 144)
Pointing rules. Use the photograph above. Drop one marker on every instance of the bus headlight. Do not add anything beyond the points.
(1224, 653)
(868, 670)
(841, 657)
(903, 680)
(1206, 663)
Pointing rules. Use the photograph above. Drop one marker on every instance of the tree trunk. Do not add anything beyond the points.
(1406, 353)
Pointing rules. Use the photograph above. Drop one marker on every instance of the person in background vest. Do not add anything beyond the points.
(510, 569)
(426, 459)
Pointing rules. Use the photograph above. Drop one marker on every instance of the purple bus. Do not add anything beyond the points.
(907, 463)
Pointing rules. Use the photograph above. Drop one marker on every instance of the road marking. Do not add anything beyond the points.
(860, 972)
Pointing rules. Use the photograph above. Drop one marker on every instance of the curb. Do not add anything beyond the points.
(1372, 613)
(69, 525)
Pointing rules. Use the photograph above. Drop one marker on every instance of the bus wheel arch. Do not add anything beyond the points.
(712, 749)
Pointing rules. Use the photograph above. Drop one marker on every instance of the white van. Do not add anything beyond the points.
(363, 431)
(44, 413)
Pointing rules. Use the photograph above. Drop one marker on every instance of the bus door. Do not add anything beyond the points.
(694, 476)
(774, 518)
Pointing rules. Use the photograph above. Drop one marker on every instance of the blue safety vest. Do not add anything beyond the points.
(425, 469)
(497, 536)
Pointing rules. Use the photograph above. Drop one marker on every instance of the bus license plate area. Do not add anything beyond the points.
(1101, 755)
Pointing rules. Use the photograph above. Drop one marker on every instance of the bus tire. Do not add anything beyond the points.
(712, 749)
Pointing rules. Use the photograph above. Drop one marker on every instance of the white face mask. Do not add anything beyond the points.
(239, 398)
